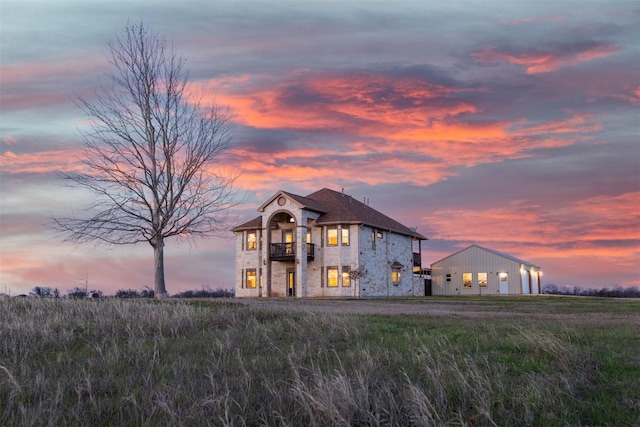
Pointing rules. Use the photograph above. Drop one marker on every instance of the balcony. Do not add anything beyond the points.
(287, 251)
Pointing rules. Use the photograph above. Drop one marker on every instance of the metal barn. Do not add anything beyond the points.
(481, 271)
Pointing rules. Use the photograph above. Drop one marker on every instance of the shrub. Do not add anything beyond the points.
(206, 293)
(127, 293)
(77, 293)
(44, 292)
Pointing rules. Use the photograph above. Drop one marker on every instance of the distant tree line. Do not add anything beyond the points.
(617, 292)
(146, 292)
(206, 293)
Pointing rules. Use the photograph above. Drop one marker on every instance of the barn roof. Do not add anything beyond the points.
(493, 251)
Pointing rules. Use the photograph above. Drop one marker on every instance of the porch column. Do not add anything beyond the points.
(266, 262)
(301, 256)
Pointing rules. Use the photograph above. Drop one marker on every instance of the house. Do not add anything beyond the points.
(325, 244)
(482, 271)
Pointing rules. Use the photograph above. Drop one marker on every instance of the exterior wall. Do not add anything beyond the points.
(333, 256)
(475, 260)
(418, 286)
(376, 281)
(311, 276)
(247, 259)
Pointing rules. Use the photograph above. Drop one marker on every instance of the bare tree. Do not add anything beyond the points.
(355, 274)
(151, 154)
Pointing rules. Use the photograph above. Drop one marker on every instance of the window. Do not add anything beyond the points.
(345, 236)
(346, 276)
(308, 237)
(467, 280)
(448, 277)
(251, 241)
(332, 236)
(482, 280)
(373, 240)
(379, 234)
(287, 238)
(395, 275)
(251, 278)
(332, 277)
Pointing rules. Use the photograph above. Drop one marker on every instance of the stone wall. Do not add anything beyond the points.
(367, 250)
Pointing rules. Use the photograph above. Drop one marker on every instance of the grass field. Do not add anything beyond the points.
(481, 361)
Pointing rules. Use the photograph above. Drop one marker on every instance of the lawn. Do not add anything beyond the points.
(483, 361)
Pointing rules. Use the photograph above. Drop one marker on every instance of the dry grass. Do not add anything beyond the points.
(113, 362)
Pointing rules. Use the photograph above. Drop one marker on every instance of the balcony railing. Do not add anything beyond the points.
(287, 251)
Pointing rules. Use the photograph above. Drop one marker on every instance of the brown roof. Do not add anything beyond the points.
(340, 208)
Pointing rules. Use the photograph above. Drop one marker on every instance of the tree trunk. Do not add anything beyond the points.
(158, 254)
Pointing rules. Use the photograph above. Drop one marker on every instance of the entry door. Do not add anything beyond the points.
(291, 283)
(504, 282)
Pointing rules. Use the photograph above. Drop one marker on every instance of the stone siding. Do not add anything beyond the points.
(311, 276)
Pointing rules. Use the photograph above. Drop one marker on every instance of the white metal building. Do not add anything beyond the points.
(482, 271)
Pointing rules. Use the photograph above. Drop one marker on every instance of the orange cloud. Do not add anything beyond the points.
(595, 227)
(41, 162)
(537, 62)
(402, 124)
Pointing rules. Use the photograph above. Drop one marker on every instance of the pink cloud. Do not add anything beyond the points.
(571, 231)
(9, 140)
(537, 61)
(41, 162)
(366, 109)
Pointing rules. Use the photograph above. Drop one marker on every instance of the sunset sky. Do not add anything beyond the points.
(512, 125)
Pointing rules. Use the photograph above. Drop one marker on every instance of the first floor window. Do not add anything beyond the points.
(395, 276)
(467, 280)
(482, 280)
(332, 277)
(251, 278)
(346, 276)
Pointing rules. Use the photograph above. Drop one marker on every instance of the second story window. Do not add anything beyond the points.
(332, 236)
(345, 236)
(251, 241)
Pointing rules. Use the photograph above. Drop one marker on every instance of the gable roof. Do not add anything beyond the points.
(493, 251)
(339, 208)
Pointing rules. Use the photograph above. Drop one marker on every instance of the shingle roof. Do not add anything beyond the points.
(249, 225)
(340, 208)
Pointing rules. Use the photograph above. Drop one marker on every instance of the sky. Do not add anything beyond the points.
(511, 125)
